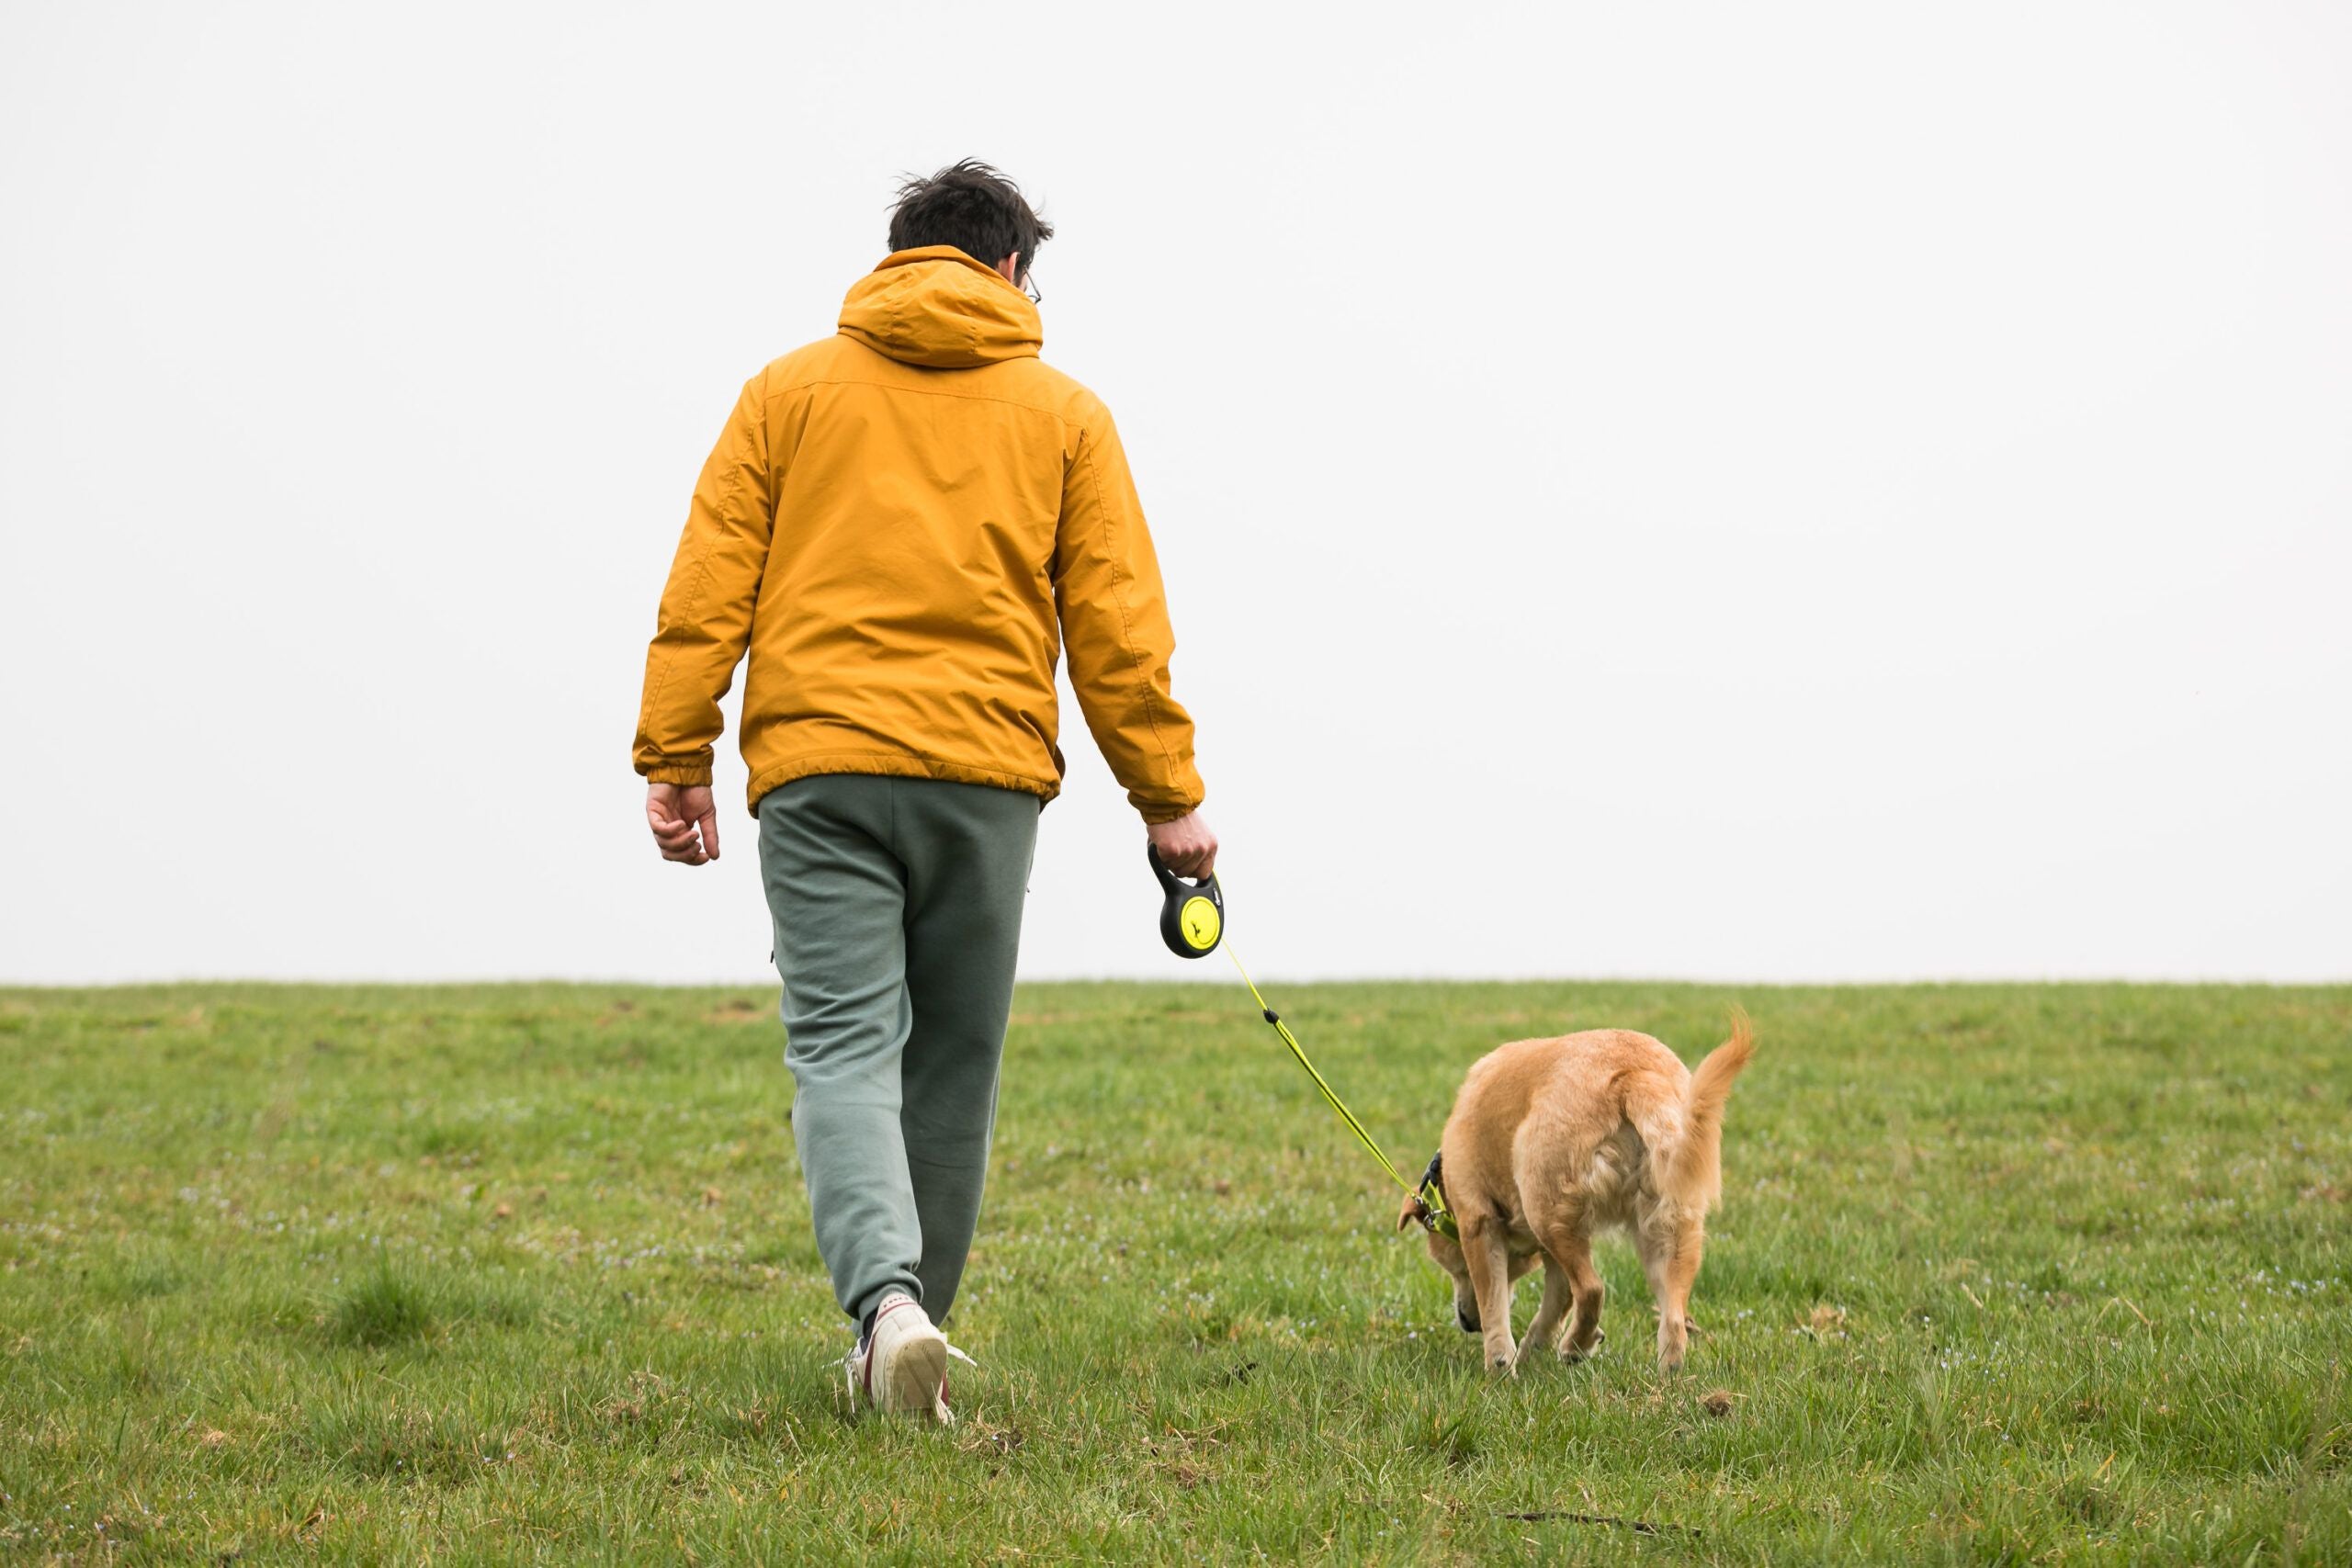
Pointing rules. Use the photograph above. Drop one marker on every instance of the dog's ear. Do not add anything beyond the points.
(1408, 1216)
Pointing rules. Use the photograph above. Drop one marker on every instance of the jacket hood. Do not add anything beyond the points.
(937, 306)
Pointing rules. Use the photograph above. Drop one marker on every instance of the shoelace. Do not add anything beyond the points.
(939, 1410)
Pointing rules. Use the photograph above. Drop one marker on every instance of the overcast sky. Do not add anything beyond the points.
(1729, 491)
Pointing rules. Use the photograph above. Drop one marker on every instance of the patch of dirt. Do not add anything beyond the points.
(1182, 1455)
(980, 1437)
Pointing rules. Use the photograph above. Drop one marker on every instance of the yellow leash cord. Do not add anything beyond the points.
(1428, 1194)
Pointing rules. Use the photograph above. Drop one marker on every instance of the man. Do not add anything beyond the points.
(904, 525)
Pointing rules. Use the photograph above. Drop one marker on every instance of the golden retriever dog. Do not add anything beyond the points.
(1553, 1140)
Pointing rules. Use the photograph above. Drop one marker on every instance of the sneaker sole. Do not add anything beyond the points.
(916, 1374)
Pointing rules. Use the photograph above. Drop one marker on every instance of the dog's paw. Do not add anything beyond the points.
(1672, 1339)
(1571, 1353)
(1502, 1366)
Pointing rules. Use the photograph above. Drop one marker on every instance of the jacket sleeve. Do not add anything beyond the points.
(706, 616)
(1115, 623)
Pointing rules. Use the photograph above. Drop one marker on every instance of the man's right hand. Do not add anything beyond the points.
(1186, 846)
(675, 812)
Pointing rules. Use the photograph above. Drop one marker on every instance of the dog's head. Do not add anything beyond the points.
(1445, 1251)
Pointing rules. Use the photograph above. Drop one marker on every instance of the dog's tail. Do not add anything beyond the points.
(1694, 1166)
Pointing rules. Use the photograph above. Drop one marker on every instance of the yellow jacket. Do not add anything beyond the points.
(902, 523)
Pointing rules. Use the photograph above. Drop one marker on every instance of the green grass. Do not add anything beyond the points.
(2001, 1274)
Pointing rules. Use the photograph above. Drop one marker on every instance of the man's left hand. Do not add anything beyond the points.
(684, 821)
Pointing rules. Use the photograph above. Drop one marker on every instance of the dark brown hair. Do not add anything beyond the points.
(971, 207)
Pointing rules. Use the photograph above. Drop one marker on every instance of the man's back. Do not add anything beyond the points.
(901, 521)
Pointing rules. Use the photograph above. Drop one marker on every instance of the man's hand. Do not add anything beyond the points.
(674, 812)
(1186, 846)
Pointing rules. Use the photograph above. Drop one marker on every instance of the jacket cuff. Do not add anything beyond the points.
(674, 773)
(1154, 815)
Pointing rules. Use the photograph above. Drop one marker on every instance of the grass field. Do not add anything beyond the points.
(2002, 1274)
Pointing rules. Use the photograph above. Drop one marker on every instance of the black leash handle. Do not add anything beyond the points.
(1192, 914)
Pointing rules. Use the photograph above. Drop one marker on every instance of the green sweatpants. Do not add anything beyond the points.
(897, 905)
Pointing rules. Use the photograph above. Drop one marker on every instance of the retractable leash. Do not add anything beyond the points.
(1191, 922)
(1192, 914)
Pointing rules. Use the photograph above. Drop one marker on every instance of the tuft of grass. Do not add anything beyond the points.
(2002, 1273)
(389, 1305)
(384, 1308)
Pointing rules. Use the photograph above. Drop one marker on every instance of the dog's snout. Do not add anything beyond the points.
(1468, 1322)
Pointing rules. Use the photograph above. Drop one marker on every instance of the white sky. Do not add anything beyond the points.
(1754, 493)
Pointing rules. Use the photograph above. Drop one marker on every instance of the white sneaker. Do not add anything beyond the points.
(901, 1367)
